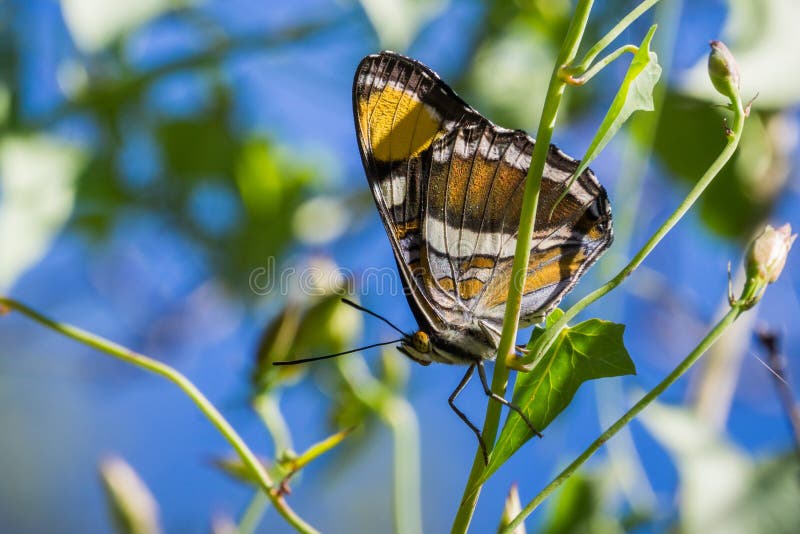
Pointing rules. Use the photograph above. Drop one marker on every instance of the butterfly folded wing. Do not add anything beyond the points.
(395, 132)
(449, 184)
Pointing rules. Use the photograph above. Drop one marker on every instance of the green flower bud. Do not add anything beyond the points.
(722, 70)
(767, 253)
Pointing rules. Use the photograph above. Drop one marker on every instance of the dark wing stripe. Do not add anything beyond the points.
(444, 193)
(392, 176)
(503, 223)
(466, 192)
(409, 180)
(486, 205)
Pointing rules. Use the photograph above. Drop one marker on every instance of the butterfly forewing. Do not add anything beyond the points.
(449, 184)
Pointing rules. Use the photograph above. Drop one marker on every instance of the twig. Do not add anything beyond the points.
(778, 367)
(154, 366)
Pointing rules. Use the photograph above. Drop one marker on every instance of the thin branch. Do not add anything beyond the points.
(615, 32)
(214, 56)
(174, 376)
(777, 365)
(576, 76)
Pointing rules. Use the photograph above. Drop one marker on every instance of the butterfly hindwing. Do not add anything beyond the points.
(449, 184)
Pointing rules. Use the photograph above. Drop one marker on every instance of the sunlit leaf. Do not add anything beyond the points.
(635, 94)
(721, 488)
(398, 22)
(96, 23)
(763, 37)
(589, 350)
(133, 507)
(37, 192)
(507, 81)
(513, 61)
(320, 220)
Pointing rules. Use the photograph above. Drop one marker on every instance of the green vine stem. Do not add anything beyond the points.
(530, 202)
(555, 91)
(576, 76)
(734, 135)
(737, 309)
(171, 374)
(613, 33)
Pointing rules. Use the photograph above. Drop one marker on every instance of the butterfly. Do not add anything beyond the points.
(448, 184)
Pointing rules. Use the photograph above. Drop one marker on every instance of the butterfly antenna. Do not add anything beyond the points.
(372, 313)
(317, 358)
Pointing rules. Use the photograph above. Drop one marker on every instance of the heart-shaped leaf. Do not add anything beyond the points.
(589, 350)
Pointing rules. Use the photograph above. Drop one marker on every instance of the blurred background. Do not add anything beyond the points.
(163, 161)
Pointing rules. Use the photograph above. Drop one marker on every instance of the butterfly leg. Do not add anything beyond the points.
(501, 400)
(463, 417)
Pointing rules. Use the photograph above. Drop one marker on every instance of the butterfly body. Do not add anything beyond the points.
(448, 184)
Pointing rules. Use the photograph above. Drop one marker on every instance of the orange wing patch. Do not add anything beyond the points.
(397, 124)
(477, 262)
(401, 229)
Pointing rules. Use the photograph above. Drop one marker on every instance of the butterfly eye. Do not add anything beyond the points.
(421, 341)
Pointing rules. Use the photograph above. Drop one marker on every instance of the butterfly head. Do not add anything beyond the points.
(417, 346)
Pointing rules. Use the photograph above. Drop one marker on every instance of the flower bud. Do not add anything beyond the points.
(511, 510)
(767, 253)
(133, 507)
(722, 70)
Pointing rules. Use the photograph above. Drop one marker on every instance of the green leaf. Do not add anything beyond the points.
(589, 350)
(295, 464)
(635, 93)
(38, 176)
(94, 25)
(398, 23)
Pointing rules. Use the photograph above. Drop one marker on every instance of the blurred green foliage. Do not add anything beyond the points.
(723, 489)
(579, 508)
(204, 154)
